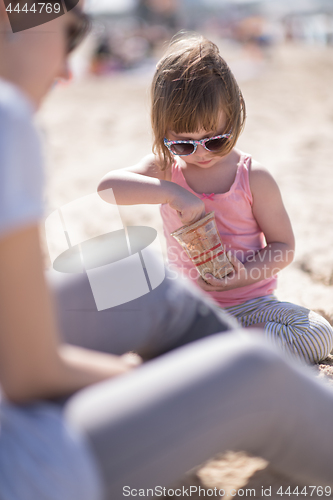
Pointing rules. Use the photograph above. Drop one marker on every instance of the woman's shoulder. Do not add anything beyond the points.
(21, 170)
(16, 124)
(14, 106)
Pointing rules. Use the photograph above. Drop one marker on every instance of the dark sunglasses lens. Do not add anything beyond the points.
(182, 149)
(217, 144)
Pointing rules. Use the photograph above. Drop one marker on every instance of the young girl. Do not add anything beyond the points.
(198, 113)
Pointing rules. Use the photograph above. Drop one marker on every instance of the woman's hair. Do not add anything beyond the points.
(191, 86)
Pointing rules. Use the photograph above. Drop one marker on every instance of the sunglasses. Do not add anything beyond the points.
(77, 29)
(185, 148)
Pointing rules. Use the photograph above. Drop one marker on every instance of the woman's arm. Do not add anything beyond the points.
(145, 183)
(271, 216)
(33, 364)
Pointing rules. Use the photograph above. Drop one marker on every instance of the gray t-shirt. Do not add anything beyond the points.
(21, 169)
(40, 456)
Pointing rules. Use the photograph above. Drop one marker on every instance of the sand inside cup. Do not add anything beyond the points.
(203, 245)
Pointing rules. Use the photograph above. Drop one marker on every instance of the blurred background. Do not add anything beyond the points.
(281, 53)
(129, 34)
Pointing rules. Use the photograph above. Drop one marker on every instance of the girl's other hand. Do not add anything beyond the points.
(235, 279)
(188, 206)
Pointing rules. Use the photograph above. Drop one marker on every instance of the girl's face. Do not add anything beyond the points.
(201, 157)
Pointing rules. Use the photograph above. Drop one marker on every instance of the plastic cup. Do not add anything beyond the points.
(202, 243)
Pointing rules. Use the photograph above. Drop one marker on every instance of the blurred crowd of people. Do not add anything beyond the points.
(128, 40)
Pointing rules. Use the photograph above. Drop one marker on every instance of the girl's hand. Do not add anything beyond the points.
(235, 279)
(189, 207)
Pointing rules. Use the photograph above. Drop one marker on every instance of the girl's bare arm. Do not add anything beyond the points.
(272, 217)
(141, 183)
(146, 183)
(33, 364)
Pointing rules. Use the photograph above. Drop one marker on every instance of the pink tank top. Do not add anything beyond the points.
(238, 228)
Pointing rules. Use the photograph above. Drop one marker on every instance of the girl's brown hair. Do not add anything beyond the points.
(191, 85)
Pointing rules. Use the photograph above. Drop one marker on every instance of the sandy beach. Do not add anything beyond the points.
(96, 124)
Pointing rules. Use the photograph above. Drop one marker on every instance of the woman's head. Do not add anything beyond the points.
(192, 86)
(35, 57)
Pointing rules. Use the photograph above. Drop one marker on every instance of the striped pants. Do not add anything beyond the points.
(297, 330)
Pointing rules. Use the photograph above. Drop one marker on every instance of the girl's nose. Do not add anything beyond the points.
(201, 150)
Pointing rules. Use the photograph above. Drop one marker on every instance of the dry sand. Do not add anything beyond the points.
(96, 125)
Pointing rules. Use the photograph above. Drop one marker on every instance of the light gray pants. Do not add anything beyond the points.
(42, 457)
(226, 391)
